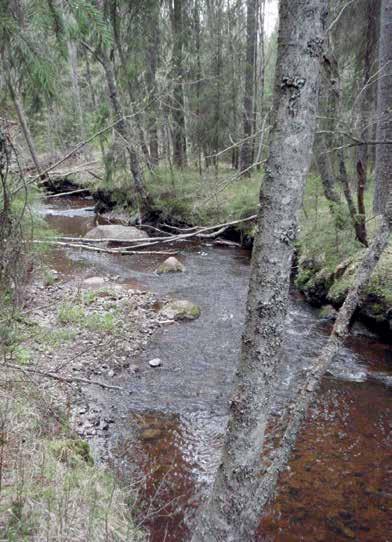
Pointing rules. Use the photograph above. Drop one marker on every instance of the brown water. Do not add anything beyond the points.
(168, 431)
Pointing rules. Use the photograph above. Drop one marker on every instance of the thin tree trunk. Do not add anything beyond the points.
(233, 510)
(251, 41)
(73, 68)
(123, 62)
(123, 130)
(368, 95)
(101, 139)
(384, 110)
(361, 217)
(358, 224)
(178, 112)
(152, 53)
(24, 124)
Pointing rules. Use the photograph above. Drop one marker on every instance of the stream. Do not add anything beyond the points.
(168, 429)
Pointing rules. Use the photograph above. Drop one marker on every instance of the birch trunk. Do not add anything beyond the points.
(233, 511)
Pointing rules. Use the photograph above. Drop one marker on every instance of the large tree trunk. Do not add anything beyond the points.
(178, 113)
(251, 42)
(233, 510)
(384, 110)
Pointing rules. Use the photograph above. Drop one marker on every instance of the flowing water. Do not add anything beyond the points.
(169, 429)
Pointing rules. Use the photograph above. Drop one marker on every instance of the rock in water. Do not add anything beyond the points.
(156, 362)
(180, 309)
(171, 265)
(115, 231)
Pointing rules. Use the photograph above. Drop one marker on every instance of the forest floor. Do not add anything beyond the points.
(69, 333)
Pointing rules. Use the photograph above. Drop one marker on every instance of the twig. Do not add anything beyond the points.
(66, 379)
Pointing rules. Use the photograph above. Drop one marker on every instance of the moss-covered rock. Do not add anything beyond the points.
(171, 265)
(180, 309)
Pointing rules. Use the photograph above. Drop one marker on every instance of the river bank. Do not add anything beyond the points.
(169, 424)
(327, 253)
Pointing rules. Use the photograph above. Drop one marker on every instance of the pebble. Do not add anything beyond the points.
(156, 362)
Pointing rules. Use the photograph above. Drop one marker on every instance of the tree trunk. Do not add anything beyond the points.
(323, 142)
(233, 510)
(251, 41)
(112, 9)
(367, 99)
(384, 110)
(178, 108)
(73, 68)
(123, 130)
(152, 53)
(24, 124)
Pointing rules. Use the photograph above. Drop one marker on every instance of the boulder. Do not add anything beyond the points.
(180, 309)
(171, 265)
(117, 232)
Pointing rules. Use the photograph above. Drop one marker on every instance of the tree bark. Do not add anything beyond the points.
(24, 124)
(73, 69)
(112, 8)
(123, 130)
(384, 110)
(233, 510)
(152, 54)
(178, 109)
(248, 120)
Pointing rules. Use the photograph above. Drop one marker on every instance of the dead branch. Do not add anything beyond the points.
(125, 250)
(197, 231)
(69, 193)
(67, 380)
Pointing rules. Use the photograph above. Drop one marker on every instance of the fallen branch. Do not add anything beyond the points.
(70, 193)
(124, 251)
(200, 232)
(67, 380)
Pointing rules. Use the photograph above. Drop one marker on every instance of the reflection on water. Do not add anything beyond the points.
(169, 429)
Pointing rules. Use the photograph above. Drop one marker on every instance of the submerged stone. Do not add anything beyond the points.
(171, 265)
(180, 309)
